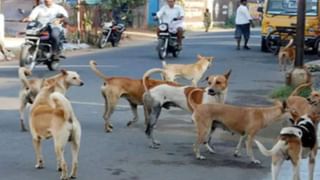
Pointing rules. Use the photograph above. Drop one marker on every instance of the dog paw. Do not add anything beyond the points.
(64, 178)
(256, 161)
(237, 154)
(73, 177)
(110, 126)
(39, 166)
(201, 158)
(155, 142)
(108, 130)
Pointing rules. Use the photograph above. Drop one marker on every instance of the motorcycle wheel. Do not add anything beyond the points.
(175, 54)
(102, 42)
(25, 56)
(162, 51)
(53, 65)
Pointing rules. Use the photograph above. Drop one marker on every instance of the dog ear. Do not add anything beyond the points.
(199, 56)
(227, 75)
(64, 72)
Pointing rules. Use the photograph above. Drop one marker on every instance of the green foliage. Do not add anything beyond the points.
(285, 91)
(230, 22)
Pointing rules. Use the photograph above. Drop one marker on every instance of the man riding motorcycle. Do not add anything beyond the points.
(172, 14)
(45, 13)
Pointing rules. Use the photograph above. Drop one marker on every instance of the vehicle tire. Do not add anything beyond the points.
(102, 42)
(263, 44)
(273, 44)
(116, 40)
(53, 65)
(25, 55)
(162, 51)
(316, 49)
(175, 54)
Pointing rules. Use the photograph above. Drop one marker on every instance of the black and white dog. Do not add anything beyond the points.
(295, 143)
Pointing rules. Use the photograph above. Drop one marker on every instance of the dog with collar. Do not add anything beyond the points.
(115, 88)
(247, 121)
(193, 72)
(294, 144)
(172, 95)
(52, 115)
(31, 87)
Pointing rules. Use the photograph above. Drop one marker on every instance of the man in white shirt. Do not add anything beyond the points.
(243, 21)
(170, 12)
(47, 13)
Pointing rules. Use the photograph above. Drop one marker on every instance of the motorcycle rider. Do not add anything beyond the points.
(169, 12)
(47, 12)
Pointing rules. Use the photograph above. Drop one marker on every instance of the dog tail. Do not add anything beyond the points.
(190, 99)
(164, 63)
(23, 73)
(147, 74)
(274, 149)
(297, 90)
(93, 66)
(59, 101)
(289, 44)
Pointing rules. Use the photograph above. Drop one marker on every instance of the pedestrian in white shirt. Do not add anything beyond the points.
(243, 21)
(45, 13)
(170, 12)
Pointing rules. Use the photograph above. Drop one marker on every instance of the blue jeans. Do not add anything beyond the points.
(55, 37)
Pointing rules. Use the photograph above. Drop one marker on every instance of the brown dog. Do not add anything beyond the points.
(52, 116)
(247, 121)
(31, 87)
(287, 55)
(116, 87)
(294, 144)
(192, 72)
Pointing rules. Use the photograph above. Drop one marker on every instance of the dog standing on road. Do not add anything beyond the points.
(172, 95)
(52, 116)
(115, 88)
(31, 87)
(287, 55)
(294, 143)
(193, 72)
(247, 121)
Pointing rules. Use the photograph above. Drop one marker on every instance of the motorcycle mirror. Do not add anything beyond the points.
(21, 11)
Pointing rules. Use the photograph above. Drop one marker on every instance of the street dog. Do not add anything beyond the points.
(193, 72)
(115, 88)
(294, 143)
(170, 95)
(31, 87)
(247, 121)
(287, 55)
(52, 116)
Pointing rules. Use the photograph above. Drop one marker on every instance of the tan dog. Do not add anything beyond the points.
(247, 121)
(295, 143)
(173, 95)
(193, 72)
(116, 87)
(31, 87)
(287, 55)
(52, 116)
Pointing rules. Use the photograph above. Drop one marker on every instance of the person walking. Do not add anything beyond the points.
(207, 19)
(243, 21)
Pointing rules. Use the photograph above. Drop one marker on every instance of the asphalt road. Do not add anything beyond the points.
(124, 153)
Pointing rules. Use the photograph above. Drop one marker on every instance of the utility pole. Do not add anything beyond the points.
(299, 74)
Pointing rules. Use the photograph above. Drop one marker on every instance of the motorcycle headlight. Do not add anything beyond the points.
(107, 24)
(163, 27)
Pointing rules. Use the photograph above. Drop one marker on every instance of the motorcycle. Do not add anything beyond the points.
(37, 48)
(167, 39)
(111, 32)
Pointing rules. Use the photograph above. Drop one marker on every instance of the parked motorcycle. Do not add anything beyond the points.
(37, 48)
(111, 32)
(167, 39)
